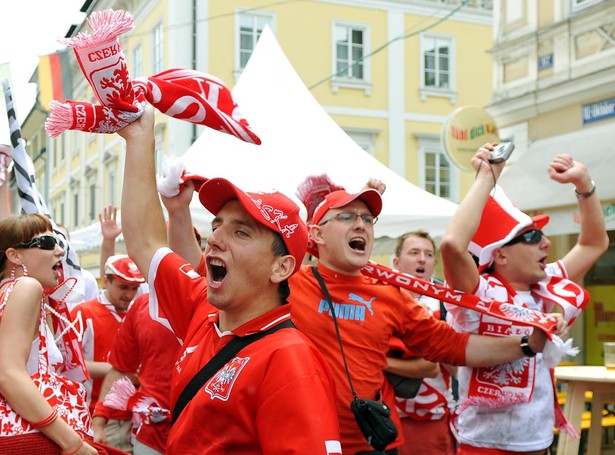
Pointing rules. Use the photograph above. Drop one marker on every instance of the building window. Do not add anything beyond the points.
(111, 187)
(76, 208)
(349, 52)
(437, 175)
(158, 43)
(92, 212)
(350, 46)
(437, 66)
(250, 27)
(137, 61)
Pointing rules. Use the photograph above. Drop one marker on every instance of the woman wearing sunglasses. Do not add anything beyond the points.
(35, 402)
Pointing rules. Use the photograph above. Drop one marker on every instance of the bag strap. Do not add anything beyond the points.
(218, 361)
(325, 291)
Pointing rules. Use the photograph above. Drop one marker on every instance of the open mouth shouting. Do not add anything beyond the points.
(357, 244)
(216, 271)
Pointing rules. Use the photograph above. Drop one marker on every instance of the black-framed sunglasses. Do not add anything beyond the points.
(44, 242)
(351, 217)
(532, 237)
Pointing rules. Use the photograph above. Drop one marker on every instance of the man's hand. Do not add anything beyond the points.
(181, 201)
(563, 169)
(98, 425)
(108, 223)
(375, 184)
(538, 338)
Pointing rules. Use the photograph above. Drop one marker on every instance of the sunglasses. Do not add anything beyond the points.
(532, 237)
(44, 242)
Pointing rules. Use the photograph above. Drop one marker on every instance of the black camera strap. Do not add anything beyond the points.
(218, 361)
(325, 291)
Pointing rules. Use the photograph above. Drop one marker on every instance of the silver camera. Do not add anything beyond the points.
(501, 152)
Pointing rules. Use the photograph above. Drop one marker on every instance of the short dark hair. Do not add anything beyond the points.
(418, 233)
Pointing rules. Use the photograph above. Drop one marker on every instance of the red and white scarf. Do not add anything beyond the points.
(180, 93)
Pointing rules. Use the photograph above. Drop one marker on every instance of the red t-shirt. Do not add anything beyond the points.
(101, 323)
(368, 314)
(148, 347)
(276, 396)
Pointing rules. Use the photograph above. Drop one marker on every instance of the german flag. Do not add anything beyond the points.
(54, 78)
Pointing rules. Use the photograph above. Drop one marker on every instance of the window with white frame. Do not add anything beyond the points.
(92, 213)
(438, 175)
(437, 66)
(111, 182)
(137, 61)
(249, 27)
(350, 50)
(158, 49)
(76, 207)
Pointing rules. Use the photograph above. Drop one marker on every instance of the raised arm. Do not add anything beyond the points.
(459, 268)
(109, 230)
(142, 219)
(593, 239)
(181, 232)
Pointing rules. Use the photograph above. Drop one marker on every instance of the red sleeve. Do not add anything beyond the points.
(125, 354)
(435, 339)
(175, 291)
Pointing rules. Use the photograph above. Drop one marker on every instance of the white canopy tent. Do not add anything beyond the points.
(299, 139)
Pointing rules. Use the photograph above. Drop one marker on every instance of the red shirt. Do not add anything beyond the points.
(276, 396)
(369, 313)
(145, 346)
(102, 323)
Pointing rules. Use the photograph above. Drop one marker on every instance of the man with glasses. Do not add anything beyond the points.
(369, 313)
(510, 409)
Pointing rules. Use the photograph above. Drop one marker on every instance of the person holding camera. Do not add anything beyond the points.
(511, 409)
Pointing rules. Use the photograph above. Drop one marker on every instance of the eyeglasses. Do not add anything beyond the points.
(351, 218)
(532, 237)
(44, 242)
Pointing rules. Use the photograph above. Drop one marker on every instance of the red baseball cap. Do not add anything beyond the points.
(124, 269)
(340, 198)
(273, 210)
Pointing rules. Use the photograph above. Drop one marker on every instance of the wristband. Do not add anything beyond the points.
(100, 410)
(525, 346)
(46, 421)
(581, 196)
(73, 452)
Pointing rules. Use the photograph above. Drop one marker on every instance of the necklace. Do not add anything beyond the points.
(68, 324)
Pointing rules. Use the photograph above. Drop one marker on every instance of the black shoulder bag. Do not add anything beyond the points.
(372, 416)
(218, 361)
